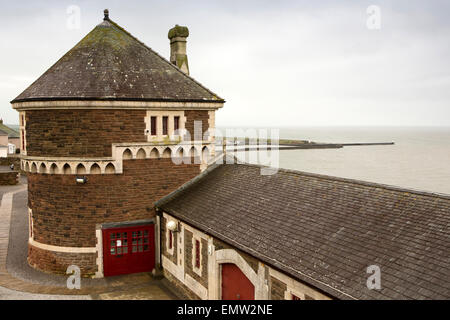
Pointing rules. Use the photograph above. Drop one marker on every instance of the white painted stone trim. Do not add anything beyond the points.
(168, 218)
(30, 223)
(211, 125)
(232, 256)
(175, 270)
(49, 247)
(296, 288)
(159, 125)
(288, 294)
(199, 270)
(194, 231)
(97, 104)
(196, 287)
(168, 236)
(22, 128)
(44, 164)
(99, 250)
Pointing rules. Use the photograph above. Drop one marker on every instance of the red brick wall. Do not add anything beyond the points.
(65, 213)
(81, 133)
(57, 262)
(196, 115)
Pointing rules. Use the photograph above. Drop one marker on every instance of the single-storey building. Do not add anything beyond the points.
(232, 233)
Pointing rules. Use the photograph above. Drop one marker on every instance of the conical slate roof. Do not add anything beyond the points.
(111, 64)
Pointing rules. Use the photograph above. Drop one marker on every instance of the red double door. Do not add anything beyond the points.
(128, 250)
(235, 285)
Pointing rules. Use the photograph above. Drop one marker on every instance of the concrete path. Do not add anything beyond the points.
(20, 281)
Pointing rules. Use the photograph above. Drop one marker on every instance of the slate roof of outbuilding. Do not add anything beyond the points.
(325, 231)
(110, 64)
(11, 132)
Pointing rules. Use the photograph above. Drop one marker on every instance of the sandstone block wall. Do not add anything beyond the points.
(9, 178)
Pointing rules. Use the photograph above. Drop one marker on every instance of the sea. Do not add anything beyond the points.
(419, 158)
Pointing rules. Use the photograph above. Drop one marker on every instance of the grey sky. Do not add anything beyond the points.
(277, 63)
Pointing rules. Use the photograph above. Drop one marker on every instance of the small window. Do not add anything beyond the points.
(170, 240)
(176, 123)
(119, 243)
(165, 125)
(294, 297)
(153, 126)
(197, 254)
(23, 140)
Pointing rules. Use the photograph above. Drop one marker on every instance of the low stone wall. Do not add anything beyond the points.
(181, 288)
(10, 160)
(58, 262)
(9, 178)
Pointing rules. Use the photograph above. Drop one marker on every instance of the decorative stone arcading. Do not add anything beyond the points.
(201, 151)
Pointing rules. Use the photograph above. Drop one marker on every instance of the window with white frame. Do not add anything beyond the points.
(170, 238)
(165, 124)
(197, 255)
(292, 294)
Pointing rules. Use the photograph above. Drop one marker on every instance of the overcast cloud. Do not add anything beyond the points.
(277, 63)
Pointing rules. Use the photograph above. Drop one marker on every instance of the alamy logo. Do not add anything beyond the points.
(374, 280)
(74, 280)
(255, 146)
(74, 18)
(374, 19)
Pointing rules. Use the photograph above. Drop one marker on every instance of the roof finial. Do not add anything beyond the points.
(106, 12)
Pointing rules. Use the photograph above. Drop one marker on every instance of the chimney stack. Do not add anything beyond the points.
(178, 56)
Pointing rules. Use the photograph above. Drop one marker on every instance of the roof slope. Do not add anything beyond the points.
(111, 64)
(11, 132)
(326, 231)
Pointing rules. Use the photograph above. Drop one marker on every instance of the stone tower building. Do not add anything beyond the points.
(103, 132)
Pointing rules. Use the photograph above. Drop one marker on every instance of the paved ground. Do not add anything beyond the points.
(8, 294)
(20, 281)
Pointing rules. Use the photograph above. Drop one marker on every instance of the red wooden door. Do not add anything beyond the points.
(235, 285)
(128, 250)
